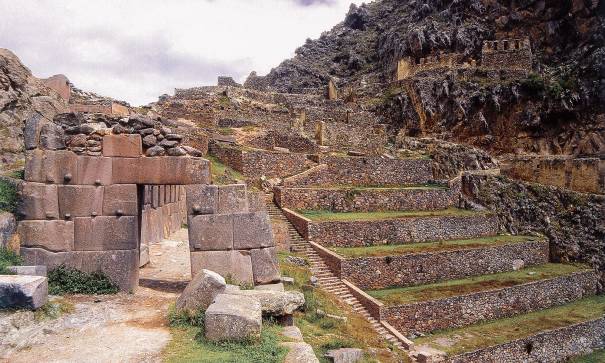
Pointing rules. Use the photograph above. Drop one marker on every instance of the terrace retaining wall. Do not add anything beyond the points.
(462, 310)
(401, 230)
(365, 171)
(551, 346)
(423, 268)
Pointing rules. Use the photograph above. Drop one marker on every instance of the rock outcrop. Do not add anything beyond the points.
(22, 96)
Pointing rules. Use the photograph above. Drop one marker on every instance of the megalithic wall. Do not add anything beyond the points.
(230, 235)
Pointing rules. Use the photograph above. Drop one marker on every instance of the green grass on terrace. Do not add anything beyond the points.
(440, 290)
(390, 250)
(597, 356)
(221, 173)
(456, 341)
(324, 215)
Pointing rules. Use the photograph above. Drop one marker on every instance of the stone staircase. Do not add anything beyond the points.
(325, 278)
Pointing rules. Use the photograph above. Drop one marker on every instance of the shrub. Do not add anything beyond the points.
(8, 258)
(183, 318)
(66, 280)
(533, 84)
(8, 196)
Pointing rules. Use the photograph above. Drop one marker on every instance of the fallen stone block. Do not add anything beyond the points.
(345, 355)
(201, 291)
(233, 318)
(299, 352)
(211, 232)
(252, 230)
(27, 292)
(39, 270)
(265, 266)
(233, 264)
(54, 235)
(272, 287)
(274, 303)
(292, 333)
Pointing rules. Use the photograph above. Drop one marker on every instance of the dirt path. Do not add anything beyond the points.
(116, 328)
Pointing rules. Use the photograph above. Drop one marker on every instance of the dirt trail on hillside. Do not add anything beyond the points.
(114, 328)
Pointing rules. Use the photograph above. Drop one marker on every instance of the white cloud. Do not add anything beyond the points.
(138, 49)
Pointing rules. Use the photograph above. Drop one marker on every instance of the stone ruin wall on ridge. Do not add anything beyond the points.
(93, 213)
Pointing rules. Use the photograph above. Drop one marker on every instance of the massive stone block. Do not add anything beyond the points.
(52, 235)
(232, 199)
(120, 199)
(252, 230)
(211, 232)
(39, 201)
(94, 170)
(234, 264)
(233, 318)
(127, 145)
(202, 199)
(161, 170)
(80, 201)
(26, 292)
(106, 233)
(201, 291)
(265, 266)
(121, 267)
(58, 167)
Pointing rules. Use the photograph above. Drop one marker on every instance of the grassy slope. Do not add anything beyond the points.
(406, 295)
(221, 172)
(8, 196)
(596, 357)
(321, 215)
(496, 332)
(390, 250)
(324, 333)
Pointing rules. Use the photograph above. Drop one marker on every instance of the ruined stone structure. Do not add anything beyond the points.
(508, 54)
(104, 107)
(93, 212)
(60, 84)
(226, 81)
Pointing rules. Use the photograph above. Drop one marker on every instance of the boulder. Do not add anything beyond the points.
(201, 291)
(345, 355)
(273, 287)
(274, 303)
(27, 292)
(233, 318)
(299, 352)
(292, 333)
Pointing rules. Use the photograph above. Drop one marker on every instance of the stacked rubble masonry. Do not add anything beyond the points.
(93, 213)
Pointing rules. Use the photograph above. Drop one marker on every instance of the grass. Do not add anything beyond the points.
(8, 196)
(597, 356)
(8, 258)
(407, 295)
(64, 280)
(324, 333)
(456, 341)
(221, 173)
(53, 309)
(390, 250)
(188, 343)
(325, 216)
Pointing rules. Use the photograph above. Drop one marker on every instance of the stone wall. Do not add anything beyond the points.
(365, 138)
(366, 200)
(164, 212)
(423, 268)
(83, 211)
(507, 54)
(364, 171)
(229, 237)
(289, 140)
(579, 174)
(547, 347)
(462, 310)
(255, 163)
(401, 230)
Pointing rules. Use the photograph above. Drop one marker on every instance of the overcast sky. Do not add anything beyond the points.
(136, 50)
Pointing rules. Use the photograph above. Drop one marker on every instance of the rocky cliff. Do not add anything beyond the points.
(22, 96)
(554, 106)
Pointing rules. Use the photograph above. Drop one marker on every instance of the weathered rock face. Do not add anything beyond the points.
(22, 97)
(233, 318)
(561, 111)
(573, 222)
(201, 291)
(26, 292)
